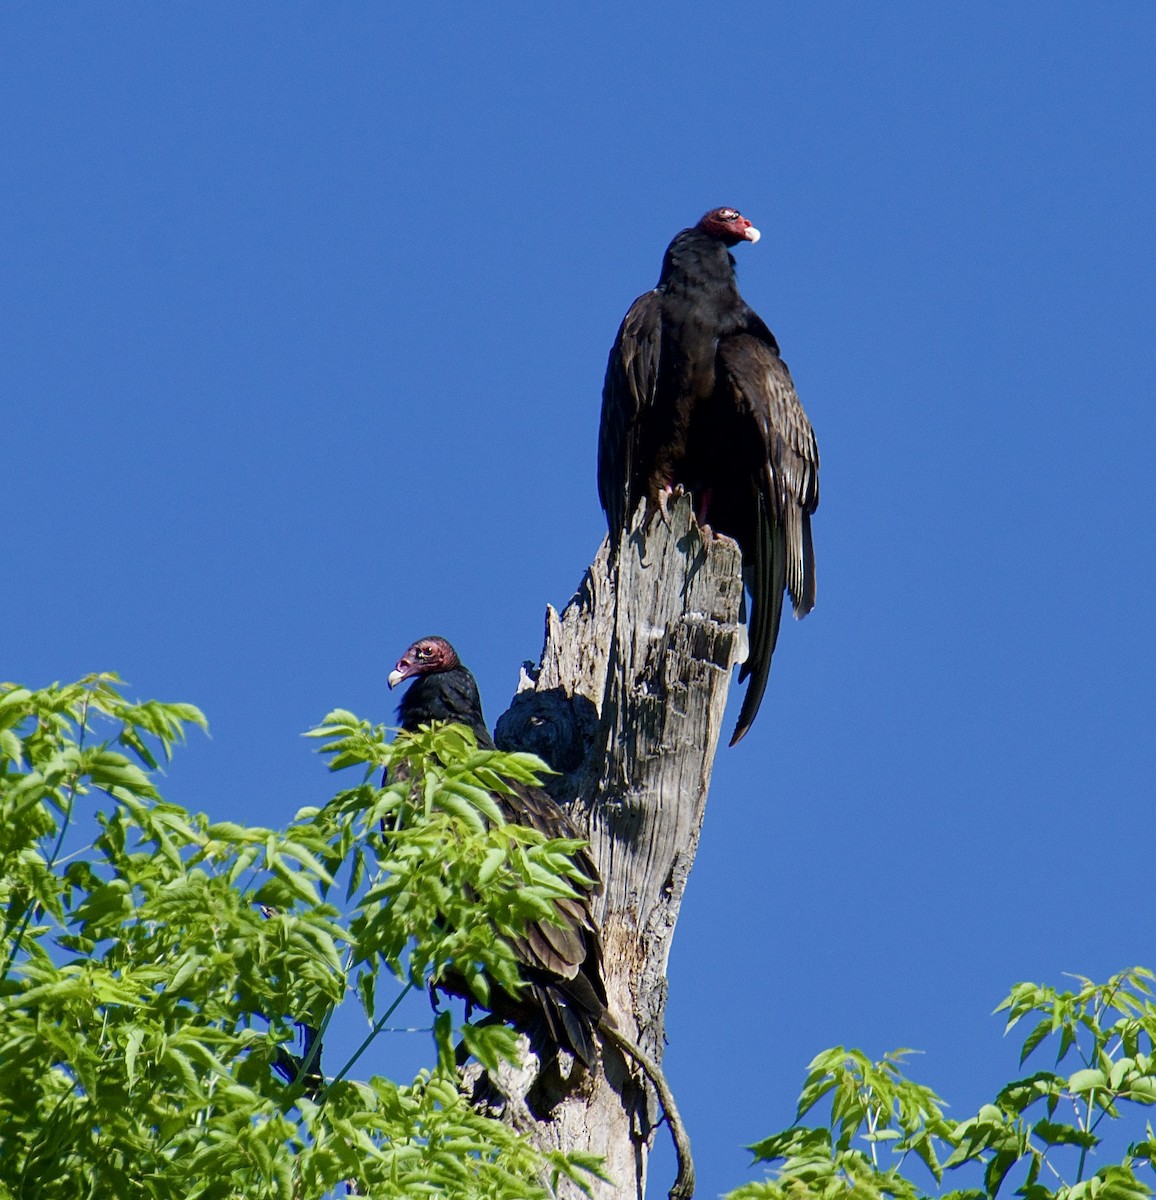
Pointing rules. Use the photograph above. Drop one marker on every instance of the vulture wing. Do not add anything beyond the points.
(787, 487)
(628, 391)
(562, 955)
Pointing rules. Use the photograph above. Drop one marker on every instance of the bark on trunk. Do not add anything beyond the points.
(627, 704)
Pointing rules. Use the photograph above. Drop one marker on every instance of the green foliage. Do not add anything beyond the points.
(440, 844)
(1038, 1130)
(156, 963)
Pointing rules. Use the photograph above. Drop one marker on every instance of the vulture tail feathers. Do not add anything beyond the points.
(580, 1033)
(800, 559)
(768, 580)
(573, 1011)
(806, 602)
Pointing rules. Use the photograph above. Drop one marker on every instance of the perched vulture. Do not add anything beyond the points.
(561, 963)
(696, 397)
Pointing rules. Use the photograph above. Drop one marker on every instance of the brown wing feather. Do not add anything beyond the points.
(787, 493)
(562, 956)
(763, 385)
(536, 808)
(628, 390)
(558, 948)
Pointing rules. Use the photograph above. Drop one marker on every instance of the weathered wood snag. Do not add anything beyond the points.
(627, 704)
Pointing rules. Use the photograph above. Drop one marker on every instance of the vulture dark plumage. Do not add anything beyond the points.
(696, 397)
(561, 963)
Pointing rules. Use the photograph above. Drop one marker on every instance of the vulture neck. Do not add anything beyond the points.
(447, 696)
(697, 262)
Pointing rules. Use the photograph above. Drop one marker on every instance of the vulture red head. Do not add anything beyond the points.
(729, 226)
(427, 656)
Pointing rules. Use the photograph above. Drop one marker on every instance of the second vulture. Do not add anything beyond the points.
(696, 397)
(561, 959)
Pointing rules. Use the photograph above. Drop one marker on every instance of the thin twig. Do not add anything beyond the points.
(365, 1044)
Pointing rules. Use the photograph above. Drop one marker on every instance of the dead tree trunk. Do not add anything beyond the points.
(627, 704)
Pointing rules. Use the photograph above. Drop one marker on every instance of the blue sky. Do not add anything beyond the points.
(306, 314)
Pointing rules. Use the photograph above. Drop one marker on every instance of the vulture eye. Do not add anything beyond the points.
(729, 214)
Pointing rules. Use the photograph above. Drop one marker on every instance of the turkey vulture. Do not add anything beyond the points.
(561, 963)
(696, 397)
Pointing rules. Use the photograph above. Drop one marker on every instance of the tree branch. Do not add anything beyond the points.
(627, 704)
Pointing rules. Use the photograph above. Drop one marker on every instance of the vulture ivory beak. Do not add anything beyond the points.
(395, 677)
(751, 234)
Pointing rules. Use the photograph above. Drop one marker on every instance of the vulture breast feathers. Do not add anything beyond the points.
(696, 397)
(561, 959)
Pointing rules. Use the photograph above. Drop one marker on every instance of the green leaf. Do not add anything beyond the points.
(1053, 1134)
(793, 1143)
(1119, 1070)
(131, 1050)
(1020, 1094)
(1086, 1081)
(448, 799)
(11, 747)
(443, 1039)
(997, 1168)
(490, 864)
(491, 1045)
(1037, 1035)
